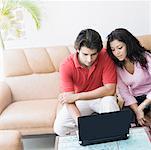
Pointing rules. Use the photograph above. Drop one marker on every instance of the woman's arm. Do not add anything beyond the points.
(148, 57)
(139, 114)
(144, 104)
(140, 111)
(134, 107)
(123, 90)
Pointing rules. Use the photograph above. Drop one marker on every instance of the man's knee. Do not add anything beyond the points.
(62, 130)
(63, 125)
(58, 130)
(109, 104)
(111, 100)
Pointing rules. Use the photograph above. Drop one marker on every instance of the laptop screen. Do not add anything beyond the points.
(104, 126)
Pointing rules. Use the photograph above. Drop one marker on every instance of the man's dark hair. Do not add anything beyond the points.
(88, 38)
(135, 51)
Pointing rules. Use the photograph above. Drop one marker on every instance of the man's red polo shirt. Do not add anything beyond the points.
(74, 77)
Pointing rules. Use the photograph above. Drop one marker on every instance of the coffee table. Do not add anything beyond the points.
(139, 139)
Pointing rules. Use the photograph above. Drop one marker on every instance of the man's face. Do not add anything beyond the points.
(87, 56)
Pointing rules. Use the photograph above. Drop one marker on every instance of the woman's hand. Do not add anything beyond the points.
(140, 116)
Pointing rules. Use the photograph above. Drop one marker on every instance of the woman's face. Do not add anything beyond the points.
(118, 49)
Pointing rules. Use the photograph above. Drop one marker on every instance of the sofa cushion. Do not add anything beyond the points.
(15, 63)
(39, 60)
(18, 62)
(29, 114)
(71, 49)
(35, 86)
(57, 55)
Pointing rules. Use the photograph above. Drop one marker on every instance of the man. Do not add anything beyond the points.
(88, 82)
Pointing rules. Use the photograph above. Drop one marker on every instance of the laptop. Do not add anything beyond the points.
(105, 127)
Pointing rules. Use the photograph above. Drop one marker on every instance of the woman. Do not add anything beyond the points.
(134, 71)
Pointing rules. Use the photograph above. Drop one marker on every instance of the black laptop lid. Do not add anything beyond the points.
(102, 126)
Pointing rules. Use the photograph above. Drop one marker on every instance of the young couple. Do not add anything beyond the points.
(89, 77)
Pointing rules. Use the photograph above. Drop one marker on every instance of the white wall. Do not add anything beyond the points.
(150, 17)
(63, 20)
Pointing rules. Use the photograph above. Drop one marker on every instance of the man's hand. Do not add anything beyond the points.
(67, 98)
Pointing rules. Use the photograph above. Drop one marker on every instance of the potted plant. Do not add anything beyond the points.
(10, 20)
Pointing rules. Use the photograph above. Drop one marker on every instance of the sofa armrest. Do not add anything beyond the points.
(5, 96)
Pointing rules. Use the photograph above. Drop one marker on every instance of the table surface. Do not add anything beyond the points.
(134, 142)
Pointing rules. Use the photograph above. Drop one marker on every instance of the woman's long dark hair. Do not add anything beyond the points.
(135, 52)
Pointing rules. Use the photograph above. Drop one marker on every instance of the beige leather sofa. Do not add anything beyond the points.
(28, 95)
(10, 140)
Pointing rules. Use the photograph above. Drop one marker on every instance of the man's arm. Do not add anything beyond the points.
(106, 90)
(72, 108)
(75, 113)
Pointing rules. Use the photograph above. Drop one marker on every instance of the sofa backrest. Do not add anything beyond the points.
(145, 41)
(32, 73)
